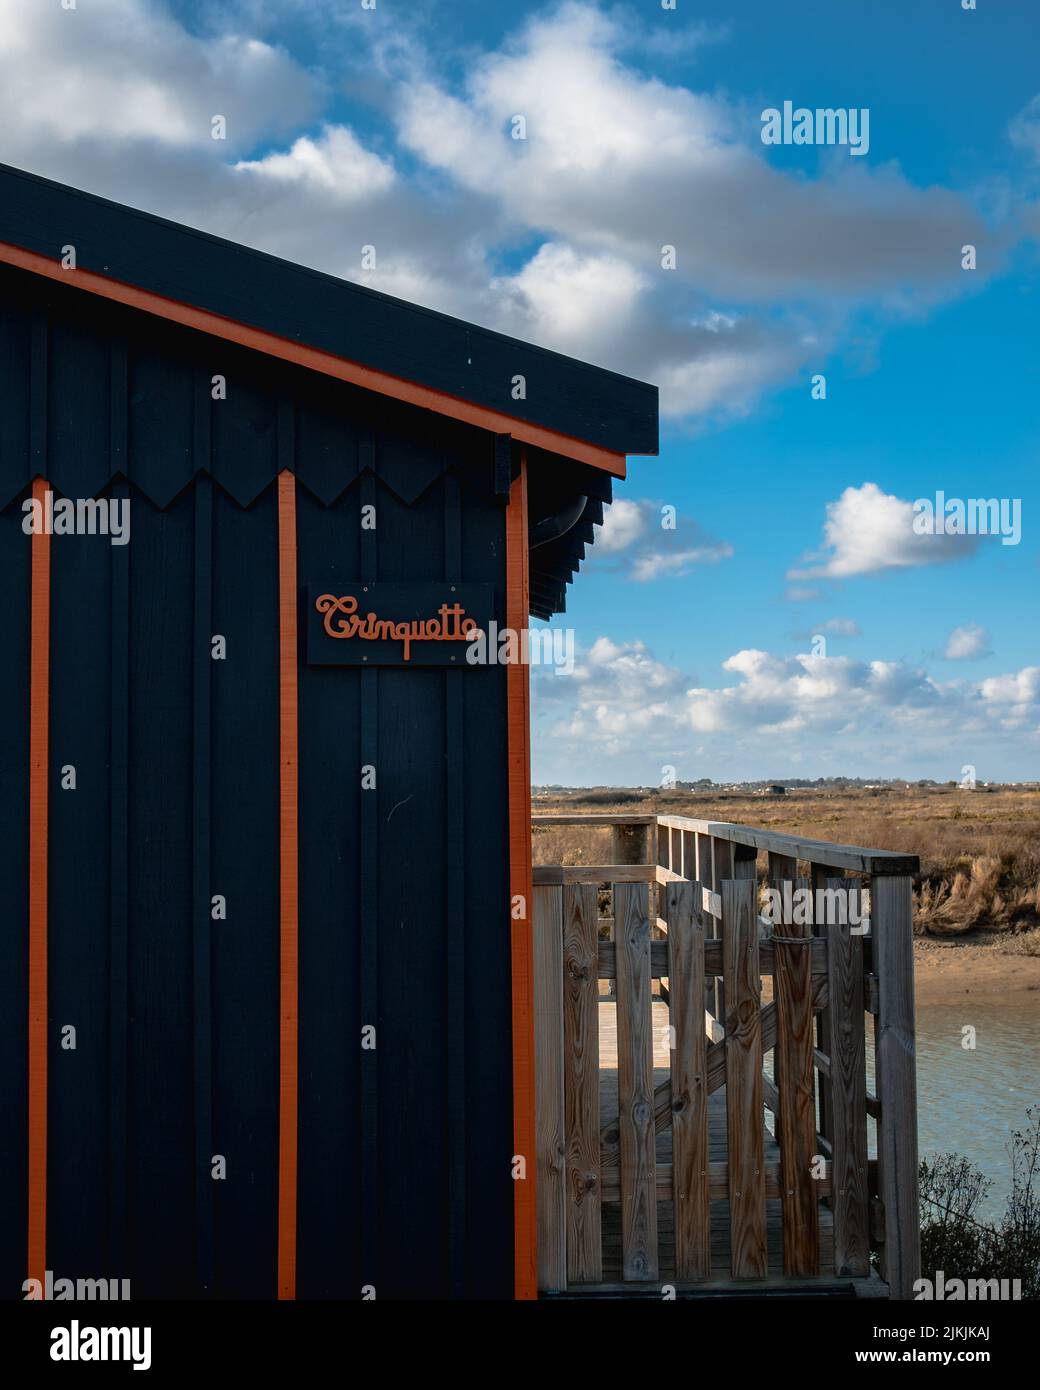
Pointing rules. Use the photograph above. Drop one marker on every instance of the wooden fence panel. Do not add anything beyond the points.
(580, 975)
(635, 1083)
(550, 1125)
(795, 1078)
(745, 1122)
(690, 1155)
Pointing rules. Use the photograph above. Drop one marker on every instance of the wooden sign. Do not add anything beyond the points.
(373, 624)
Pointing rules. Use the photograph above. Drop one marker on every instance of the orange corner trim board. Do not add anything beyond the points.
(288, 1069)
(317, 360)
(518, 699)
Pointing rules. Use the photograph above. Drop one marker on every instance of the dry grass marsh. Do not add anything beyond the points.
(979, 850)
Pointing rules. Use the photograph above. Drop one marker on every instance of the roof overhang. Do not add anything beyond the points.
(326, 325)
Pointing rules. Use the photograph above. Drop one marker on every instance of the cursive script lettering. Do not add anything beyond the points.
(343, 620)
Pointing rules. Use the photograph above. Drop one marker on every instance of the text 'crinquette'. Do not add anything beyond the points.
(342, 620)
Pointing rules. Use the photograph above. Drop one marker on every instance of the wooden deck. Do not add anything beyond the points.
(686, 1189)
(827, 1285)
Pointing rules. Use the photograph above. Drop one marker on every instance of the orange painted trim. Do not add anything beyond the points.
(518, 741)
(39, 738)
(315, 359)
(289, 904)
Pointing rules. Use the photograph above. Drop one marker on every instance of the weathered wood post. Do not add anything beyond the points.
(848, 1088)
(818, 875)
(745, 1159)
(631, 844)
(891, 918)
(550, 1121)
(635, 844)
(722, 868)
(795, 1078)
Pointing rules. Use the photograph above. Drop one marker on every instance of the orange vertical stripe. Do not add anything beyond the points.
(518, 694)
(289, 885)
(39, 730)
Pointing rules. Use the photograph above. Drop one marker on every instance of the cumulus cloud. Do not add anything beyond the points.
(644, 540)
(623, 523)
(967, 643)
(621, 692)
(629, 705)
(1013, 699)
(867, 530)
(125, 71)
(771, 267)
(336, 164)
(619, 159)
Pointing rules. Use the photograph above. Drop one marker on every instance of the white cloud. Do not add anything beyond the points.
(772, 266)
(336, 164)
(635, 541)
(1013, 699)
(967, 643)
(867, 530)
(836, 710)
(621, 160)
(679, 562)
(623, 522)
(565, 298)
(124, 71)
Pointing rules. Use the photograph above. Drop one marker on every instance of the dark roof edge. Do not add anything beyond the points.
(319, 311)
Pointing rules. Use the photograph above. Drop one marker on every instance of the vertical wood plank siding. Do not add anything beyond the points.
(238, 1036)
(202, 990)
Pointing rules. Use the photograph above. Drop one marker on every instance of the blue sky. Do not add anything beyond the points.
(695, 648)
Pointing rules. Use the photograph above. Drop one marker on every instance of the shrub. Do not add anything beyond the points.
(954, 1240)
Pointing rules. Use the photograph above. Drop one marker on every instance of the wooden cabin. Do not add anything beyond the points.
(273, 876)
(286, 1011)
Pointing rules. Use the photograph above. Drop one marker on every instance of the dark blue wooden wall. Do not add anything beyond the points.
(404, 1153)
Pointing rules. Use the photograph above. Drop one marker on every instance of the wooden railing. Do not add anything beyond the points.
(679, 909)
